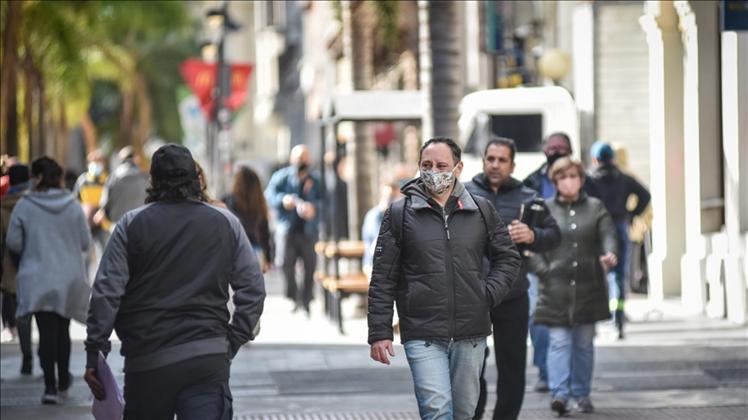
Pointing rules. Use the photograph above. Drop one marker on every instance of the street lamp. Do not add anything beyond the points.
(218, 25)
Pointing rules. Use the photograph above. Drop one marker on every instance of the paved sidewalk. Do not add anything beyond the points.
(672, 365)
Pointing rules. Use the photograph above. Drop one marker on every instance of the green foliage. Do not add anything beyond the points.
(75, 43)
(387, 15)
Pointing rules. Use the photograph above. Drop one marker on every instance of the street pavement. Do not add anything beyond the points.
(673, 364)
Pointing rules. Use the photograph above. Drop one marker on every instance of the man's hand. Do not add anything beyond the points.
(608, 260)
(306, 211)
(98, 217)
(289, 202)
(521, 233)
(92, 379)
(379, 350)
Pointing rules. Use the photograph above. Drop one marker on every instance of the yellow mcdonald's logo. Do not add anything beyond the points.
(204, 79)
(237, 79)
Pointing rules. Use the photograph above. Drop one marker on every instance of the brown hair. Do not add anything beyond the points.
(562, 164)
(249, 200)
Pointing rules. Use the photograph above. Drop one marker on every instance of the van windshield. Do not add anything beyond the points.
(525, 129)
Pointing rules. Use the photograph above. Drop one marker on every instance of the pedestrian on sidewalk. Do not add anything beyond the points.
(614, 188)
(124, 190)
(49, 237)
(294, 192)
(555, 146)
(247, 202)
(163, 285)
(18, 176)
(429, 261)
(572, 289)
(531, 228)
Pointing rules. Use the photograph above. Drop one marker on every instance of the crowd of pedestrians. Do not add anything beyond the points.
(544, 257)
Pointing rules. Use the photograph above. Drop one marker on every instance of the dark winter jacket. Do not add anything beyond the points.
(573, 289)
(163, 284)
(508, 201)
(534, 181)
(434, 275)
(614, 187)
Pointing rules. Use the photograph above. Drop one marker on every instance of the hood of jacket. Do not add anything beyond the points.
(606, 172)
(53, 200)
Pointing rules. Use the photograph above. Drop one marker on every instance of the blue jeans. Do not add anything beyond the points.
(571, 357)
(538, 333)
(446, 376)
(618, 276)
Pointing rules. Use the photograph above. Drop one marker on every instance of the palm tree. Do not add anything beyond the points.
(358, 45)
(440, 67)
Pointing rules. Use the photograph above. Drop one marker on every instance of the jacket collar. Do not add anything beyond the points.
(481, 181)
(582, 198)
(419, 198)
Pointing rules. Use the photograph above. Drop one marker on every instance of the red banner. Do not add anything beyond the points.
(201, 78)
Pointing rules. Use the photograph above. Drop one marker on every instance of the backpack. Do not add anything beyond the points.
(397, 217)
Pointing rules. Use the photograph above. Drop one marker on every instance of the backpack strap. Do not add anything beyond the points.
(483, 209)
(397, 217)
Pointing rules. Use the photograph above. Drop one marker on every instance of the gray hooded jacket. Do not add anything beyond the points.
(49, 231)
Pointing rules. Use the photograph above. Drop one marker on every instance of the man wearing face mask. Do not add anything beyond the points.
(532, 228)
(295, 194)
(429, 261)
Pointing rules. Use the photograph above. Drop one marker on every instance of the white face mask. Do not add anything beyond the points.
(438, 182)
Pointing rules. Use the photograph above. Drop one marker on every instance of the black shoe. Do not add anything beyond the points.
(27, 366)
(50, 397)
(559, 406)
(584, 405)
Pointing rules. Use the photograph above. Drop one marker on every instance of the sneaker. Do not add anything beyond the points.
(64, 386)
(584, 405)
(541, 386)
(50, 397)
(559, 406)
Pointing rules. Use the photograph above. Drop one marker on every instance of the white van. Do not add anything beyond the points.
(525, 114)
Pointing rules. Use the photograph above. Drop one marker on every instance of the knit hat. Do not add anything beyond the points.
(602, 151)
(173, 162)
(18, 174)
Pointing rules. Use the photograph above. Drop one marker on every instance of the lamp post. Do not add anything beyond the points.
(219, 25)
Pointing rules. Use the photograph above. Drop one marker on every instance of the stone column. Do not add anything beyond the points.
(735, 152)
(702, 160)
(659, 22)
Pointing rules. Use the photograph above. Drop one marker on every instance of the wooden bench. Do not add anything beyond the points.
(337, 286)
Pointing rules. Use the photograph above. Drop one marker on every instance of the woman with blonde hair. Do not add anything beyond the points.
(573, 289)
(247, 202)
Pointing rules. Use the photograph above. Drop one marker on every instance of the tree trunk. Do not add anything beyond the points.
(440, 68)
(89, 132)
(41, 122)
(8, 80)
(29, 152)
(62, 131)
(126, 122)
(143, 127)
(358, 27)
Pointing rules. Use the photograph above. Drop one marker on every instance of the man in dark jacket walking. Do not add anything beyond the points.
(163, 284)
(614, 188)
(517, 205)
(429, 260)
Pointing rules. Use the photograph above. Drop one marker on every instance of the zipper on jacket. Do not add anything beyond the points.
(450, 274)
